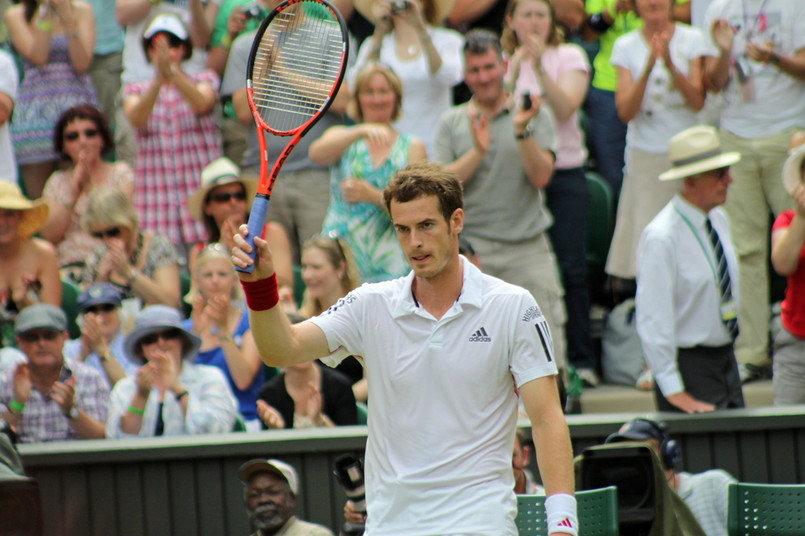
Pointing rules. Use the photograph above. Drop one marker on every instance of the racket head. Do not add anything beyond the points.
(296, 65)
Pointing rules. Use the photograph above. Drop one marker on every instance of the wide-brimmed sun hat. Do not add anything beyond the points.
(217, 173)
(34, 213)
(441, 7)
(792, 169)
(696, 150)
(155, 318)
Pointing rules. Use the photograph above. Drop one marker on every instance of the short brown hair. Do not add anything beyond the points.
(425, 178)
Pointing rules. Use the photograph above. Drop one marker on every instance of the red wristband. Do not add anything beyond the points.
(262, 294)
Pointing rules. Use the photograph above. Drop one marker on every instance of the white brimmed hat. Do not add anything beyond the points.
(217, 173)
(34, 213)
(171, 23)
(792, 169)
(275, 467)
(696, 150)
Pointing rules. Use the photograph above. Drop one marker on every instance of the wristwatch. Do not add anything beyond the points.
(525, 134)
(73, 413)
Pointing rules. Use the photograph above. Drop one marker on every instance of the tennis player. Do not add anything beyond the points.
(446, 350)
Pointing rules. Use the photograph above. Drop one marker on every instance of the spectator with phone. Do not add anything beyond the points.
(48, 397)
(542, 64)
(408, 37)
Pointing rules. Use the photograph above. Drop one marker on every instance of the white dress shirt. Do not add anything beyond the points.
(678, 300)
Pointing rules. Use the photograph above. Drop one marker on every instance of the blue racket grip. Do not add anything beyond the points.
(257, 220)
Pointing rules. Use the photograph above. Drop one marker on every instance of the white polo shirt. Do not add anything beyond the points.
(442, 407)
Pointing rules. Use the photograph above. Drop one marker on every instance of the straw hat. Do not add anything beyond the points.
(217, 173)
(792, 169)
(696, 150)
(34, 213)
(441, 8)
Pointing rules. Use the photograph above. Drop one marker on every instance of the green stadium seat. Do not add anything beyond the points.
(765, 509)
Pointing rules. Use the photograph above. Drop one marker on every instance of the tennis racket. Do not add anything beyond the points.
(295, 68)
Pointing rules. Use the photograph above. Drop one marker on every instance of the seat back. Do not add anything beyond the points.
(298, 285)
(600, 226)
(363, 412)
(185, 282)
(597, 513)
(69, 304)
(767, 509)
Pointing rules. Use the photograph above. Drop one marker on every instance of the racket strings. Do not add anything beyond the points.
(297, 64)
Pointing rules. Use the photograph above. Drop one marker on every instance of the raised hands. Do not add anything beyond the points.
(263, 265)
(764, 53)
(723, 35)
(523, 116)
(63, 393)
(22, 383)
(92, 339)
(270, 416)
(480, 129)
(115, 262)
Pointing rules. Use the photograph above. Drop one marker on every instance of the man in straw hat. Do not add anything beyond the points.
(760, 68)
(50, 398)
(29, 269)
(788, 259)
(687, 282)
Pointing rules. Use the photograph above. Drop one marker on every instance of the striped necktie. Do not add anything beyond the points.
(724, 284)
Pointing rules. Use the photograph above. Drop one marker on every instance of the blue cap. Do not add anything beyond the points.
(100, 293)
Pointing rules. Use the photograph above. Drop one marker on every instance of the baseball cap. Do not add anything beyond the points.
(100, 293)
(40, 316)
(275, 467)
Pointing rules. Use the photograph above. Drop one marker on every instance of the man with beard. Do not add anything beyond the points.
(270, 497)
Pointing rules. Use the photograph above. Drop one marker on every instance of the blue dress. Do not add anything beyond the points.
(365, 227)
(247, 399)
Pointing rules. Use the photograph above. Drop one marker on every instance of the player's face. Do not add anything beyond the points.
(428, 241)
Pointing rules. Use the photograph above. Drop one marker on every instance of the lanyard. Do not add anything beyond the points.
(760, 14)
(701, 245)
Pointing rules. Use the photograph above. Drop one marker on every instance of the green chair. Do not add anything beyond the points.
(240, 424)
(69, 304)
(363, 412)
(600, 226)
(765, 509)
(597, 512)
(298, 285)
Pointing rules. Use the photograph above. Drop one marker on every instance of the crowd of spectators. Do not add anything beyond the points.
(128, 159)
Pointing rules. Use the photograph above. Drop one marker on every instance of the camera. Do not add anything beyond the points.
(348, 470)
(398, 6)
(526, 104)
(251, 10)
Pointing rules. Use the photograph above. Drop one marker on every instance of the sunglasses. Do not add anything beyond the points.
(114, 232)
(89, 133)
(166, 335)
(36, 336)
(101, 308)
(224, 197)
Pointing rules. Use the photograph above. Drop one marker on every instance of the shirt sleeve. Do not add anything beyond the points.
(211, 407)
(93, 395)
(448, 43)
(341, 324)
(783, 221)
(532, 350)
(9, 81)
(235, 73)
(654, 301)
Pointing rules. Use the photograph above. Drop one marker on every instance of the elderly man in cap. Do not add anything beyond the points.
(687, 282)
(101, 342)
(169, 394)
(270, 491)
(48, 397)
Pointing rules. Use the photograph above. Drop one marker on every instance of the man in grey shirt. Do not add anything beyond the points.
(504, 155)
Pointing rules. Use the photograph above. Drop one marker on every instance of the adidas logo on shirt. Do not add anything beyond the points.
(480, 336)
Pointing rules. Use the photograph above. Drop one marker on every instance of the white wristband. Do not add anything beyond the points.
(560, 509)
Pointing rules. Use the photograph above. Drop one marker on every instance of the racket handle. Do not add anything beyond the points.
(257, 220)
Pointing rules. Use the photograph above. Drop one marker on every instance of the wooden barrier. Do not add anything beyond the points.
(189, 485)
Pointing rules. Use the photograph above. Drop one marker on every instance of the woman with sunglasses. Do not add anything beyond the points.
(55, 39)
(363, 158)
(140, 264)
(170, 394)
(221, 320)
(82, 137)
(176, 131)
(222, 203)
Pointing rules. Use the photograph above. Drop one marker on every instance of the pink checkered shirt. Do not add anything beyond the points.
(172, 149)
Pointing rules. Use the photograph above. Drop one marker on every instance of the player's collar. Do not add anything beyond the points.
(471, 290)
